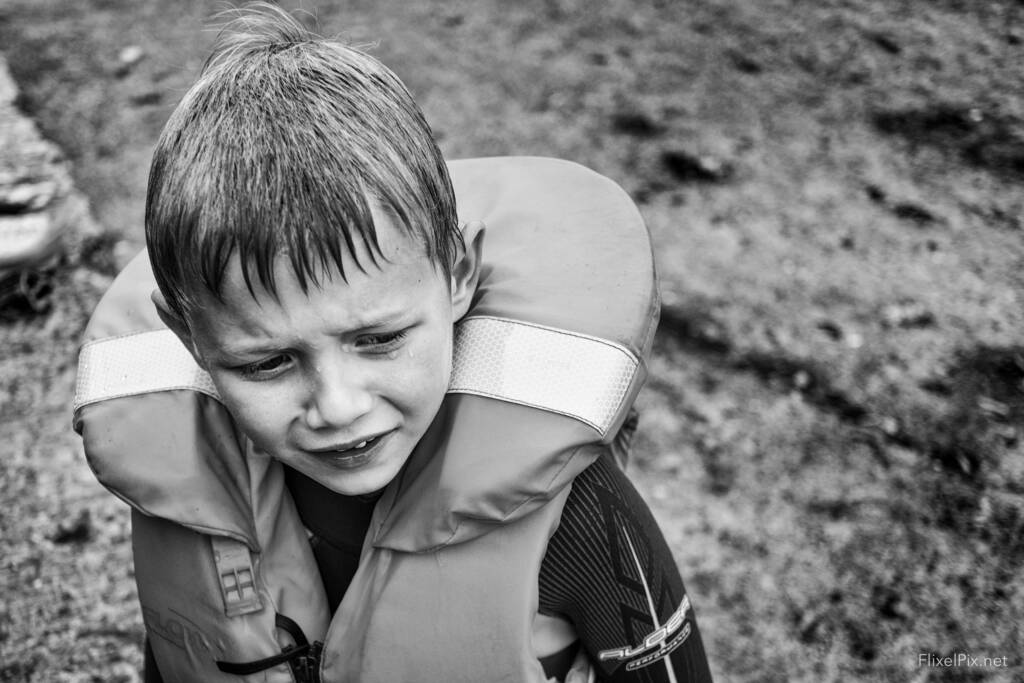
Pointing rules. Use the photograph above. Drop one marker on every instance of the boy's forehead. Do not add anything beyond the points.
(394, 245)
(368, 290)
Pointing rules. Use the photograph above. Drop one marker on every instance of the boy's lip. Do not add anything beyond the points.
(353, 453)
(347, 445)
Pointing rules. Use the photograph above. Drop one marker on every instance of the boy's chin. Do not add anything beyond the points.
(369, 479)
(371, 489)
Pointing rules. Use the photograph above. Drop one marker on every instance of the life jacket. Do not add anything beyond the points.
(546, 365)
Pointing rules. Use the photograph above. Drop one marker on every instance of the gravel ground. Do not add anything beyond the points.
(831, 435)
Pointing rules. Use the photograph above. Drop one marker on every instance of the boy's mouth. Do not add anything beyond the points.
(353, 454)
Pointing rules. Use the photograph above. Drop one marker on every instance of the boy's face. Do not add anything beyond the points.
(341, 382)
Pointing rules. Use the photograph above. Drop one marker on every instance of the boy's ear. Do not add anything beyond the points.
(466, 269)
(176, 324)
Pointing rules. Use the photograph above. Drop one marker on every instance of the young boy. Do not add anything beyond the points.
(302, 230)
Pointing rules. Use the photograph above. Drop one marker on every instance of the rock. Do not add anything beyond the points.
(42, 218)
(907, 314)
(875, 193)
(940, 386)
(636, 123)
(744, 62)
(831, 329)
(902, 209)
(26, 196)
(836, 332)
(23, 237)
(77, 531)
(886, 42)
(889, 425)
(127, 59)
(124, 672)
(694, 325)
(913, 212)
(32, 171)
(994, 408)
(147, 98)
(131, 55)
(687, 166)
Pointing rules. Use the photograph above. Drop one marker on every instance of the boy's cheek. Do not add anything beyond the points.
(256, 411)
(430, 359)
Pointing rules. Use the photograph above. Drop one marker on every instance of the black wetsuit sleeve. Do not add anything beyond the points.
(609, 571)
(150, 674)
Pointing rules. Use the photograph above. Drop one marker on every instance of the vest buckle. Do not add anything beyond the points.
(301, 657)
(236, 576)
(305, 668)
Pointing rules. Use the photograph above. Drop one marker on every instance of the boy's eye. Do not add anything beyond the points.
(381, 343)
(266, 368)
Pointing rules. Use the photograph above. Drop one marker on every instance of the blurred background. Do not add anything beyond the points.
(831, 436)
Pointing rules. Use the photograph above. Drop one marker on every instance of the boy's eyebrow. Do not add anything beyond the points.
(223, 352)
(373, 320)
(378, 320)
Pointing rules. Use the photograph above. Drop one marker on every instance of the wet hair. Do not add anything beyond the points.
(280, 149)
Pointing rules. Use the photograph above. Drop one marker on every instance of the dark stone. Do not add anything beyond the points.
(636, 123)
(885, 42)
(888, 603)
(744, 62)
(875, 193)
(695, 327)
(147, 98)
(913, 212)
(78, 530)
(940, 386)
(688, 167)
(831, 329)
(863, 640)
(906, 315)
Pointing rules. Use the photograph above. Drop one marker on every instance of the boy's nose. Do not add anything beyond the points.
(336, 403)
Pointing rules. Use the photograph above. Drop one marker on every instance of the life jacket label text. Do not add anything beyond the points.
(176, 629)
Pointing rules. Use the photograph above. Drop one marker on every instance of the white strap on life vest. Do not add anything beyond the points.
(139, 363)
(542, 367)
(583, 377)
